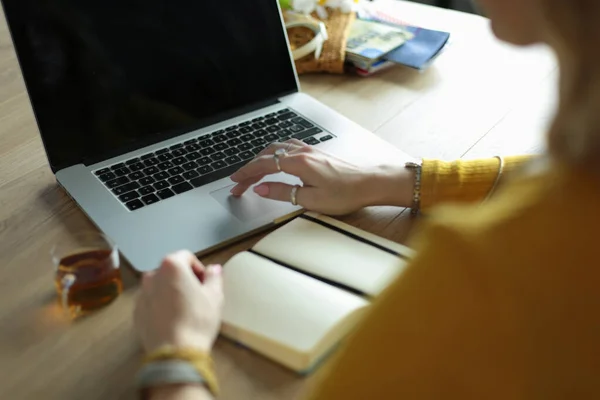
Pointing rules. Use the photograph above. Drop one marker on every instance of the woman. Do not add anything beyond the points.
(501, 300)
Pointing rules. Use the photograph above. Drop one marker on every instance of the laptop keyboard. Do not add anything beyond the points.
(173, 170)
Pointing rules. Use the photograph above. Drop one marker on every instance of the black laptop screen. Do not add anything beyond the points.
(105, 76)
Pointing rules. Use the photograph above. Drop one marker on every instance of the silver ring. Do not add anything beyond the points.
(293, 194)
(279, 153)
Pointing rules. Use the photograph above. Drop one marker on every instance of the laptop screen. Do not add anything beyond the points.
(107, 76)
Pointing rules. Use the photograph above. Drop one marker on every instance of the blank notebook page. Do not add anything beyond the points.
(324, 252)
(282, 305)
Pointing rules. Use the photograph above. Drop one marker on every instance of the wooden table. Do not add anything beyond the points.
(480, 98)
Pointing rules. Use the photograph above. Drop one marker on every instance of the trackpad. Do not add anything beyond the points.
(249, 206)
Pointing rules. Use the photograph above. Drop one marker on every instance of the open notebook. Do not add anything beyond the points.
(300, 289)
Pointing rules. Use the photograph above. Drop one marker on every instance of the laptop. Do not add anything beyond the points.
(145, 109)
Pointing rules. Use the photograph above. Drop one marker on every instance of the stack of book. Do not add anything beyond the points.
(376, 42)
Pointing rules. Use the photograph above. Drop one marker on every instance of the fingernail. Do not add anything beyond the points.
(261, 190)
(234, 177)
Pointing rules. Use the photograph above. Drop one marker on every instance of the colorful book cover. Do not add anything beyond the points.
(369, 41)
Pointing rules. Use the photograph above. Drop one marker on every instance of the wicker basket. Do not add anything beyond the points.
(334, 49)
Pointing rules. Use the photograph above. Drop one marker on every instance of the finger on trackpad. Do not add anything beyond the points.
(249, 206)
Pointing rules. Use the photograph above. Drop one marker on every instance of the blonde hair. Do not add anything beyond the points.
(573, 30)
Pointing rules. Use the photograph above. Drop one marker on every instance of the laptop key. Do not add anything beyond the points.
(259, 125)
(245, 146)
(147, 180)
(161, 176)
(233, 134)
(136, 175)
(270, 115)
(162, 151)
(179, 160)
(274, 128)
(151, 161)
(107, 176)
(176, 146)
(137, 167)
(176, 171)
(147, 156)
(165, 194)
(326, 138)
(193, 156)
(233, 160)
(288, 115)
(221, 146)
(132, 161)
(206, 143)
(192, 147)
(296, 128)
(245, 129)
(189, 166)
(146, 190)
(303, 122)
(178, 152)
(102, 171)
(190, 175)
(134, 204)
(161, 185)
(188, 142)
(129, 196)
(220, 174)
(247, 137)
(165, 165)
(285, 139)
(218, 156)
(231, 151)
(271, 121)
(117, 182)
(285, 110)
(151, 171)
(207, 151)
(220, 138)
(234, 142)
(258, 142)
(260, 133)
(204, 170)
(117, 166)
(284, 133)
(204, 161)
(231, 128)
(150, 199)
(307, 133)
(218, 164)
(128, 187)
(285, 124)
(165, 157)
(271, 138)
(246, 155)
(122, 171)
(174, 180)
(311, 141)
(182, 187)
(245, 123)
(257, 150)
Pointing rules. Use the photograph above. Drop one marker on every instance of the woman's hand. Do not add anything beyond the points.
(330, 185)
(180, 304)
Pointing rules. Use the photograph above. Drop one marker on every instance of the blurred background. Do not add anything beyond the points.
(462, 5)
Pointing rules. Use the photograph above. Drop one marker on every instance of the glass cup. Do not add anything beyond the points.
(87, 275)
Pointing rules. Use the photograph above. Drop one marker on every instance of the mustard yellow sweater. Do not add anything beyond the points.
(501, 302)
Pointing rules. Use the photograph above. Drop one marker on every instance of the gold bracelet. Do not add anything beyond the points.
(416, 201)
(200, 360)
(498, 177)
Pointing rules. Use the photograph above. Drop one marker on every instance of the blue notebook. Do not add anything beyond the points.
(421, 50)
